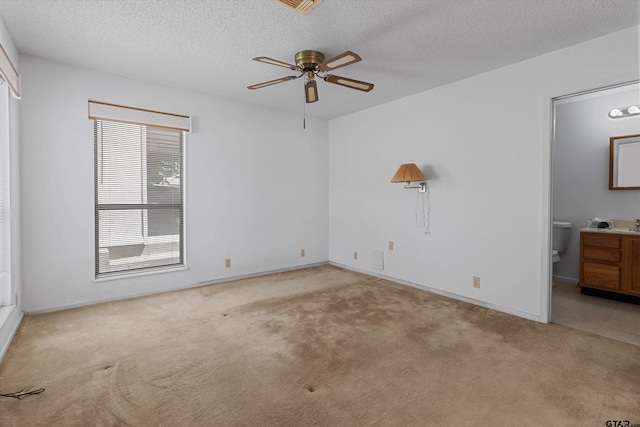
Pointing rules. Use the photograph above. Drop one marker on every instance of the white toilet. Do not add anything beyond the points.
(561, 234)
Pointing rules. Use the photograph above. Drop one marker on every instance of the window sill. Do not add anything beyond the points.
(126, 275)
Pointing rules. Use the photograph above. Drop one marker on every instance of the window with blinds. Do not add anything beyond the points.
(5, 217)
(139, 204)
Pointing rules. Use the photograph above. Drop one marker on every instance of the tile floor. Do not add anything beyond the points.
(601, 316)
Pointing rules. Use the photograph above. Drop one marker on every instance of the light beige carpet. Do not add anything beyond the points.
(319, 346)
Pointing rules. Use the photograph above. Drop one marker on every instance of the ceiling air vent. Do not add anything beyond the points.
(300, 6)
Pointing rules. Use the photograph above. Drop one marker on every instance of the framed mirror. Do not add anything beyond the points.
(624, 162)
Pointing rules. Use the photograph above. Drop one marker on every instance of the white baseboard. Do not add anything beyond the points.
(563, 279)
(43, 310)
(496, 307)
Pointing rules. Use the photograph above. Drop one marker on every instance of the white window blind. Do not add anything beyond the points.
(139, 205)
(5, 218)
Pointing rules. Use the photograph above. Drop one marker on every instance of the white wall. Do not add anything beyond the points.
(484, 144)
(581, 167)
(10, 317)
(256, 186)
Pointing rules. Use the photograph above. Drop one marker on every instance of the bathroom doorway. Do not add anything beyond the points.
(582, 127)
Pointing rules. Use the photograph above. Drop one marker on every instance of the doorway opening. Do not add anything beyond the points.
(581, 132)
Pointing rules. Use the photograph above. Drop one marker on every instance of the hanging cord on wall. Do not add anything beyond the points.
(20, 394)
(427, 209)
(420, 215)
(423, 207)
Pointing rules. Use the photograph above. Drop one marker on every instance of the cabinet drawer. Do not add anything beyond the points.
(601, 254)
(601, 275)
(606, 241)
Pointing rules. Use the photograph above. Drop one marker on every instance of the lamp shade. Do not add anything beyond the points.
(407, 173)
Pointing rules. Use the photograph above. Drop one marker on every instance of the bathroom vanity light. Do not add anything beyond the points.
(617, 113)
(408, 173)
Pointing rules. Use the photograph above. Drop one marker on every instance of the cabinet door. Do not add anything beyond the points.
(601, 276)
(634, 266)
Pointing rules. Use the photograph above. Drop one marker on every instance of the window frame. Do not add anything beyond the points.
(181, 207)
(6, 287)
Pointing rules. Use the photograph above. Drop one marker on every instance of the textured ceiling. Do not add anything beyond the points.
(207, 45)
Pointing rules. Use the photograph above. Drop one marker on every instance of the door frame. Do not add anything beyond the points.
(549, 102)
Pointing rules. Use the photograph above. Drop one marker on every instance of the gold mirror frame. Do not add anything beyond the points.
(614, 160)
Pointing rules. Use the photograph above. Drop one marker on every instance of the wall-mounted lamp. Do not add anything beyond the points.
(408, 173)
(617, 113)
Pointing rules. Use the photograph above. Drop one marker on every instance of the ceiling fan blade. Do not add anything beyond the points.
(275, 62)
(353, 84)
(271, 82)
(311, 91)
(341, 60)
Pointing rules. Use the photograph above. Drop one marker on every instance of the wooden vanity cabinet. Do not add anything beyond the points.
(610, 262)
(633, 265)
(600, 261)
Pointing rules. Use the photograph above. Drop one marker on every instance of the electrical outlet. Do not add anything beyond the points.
(302, 252)
(227, 263)
(355, 255)
(476, 282)
(390, 245)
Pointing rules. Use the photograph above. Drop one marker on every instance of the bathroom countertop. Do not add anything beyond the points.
(610, 231)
